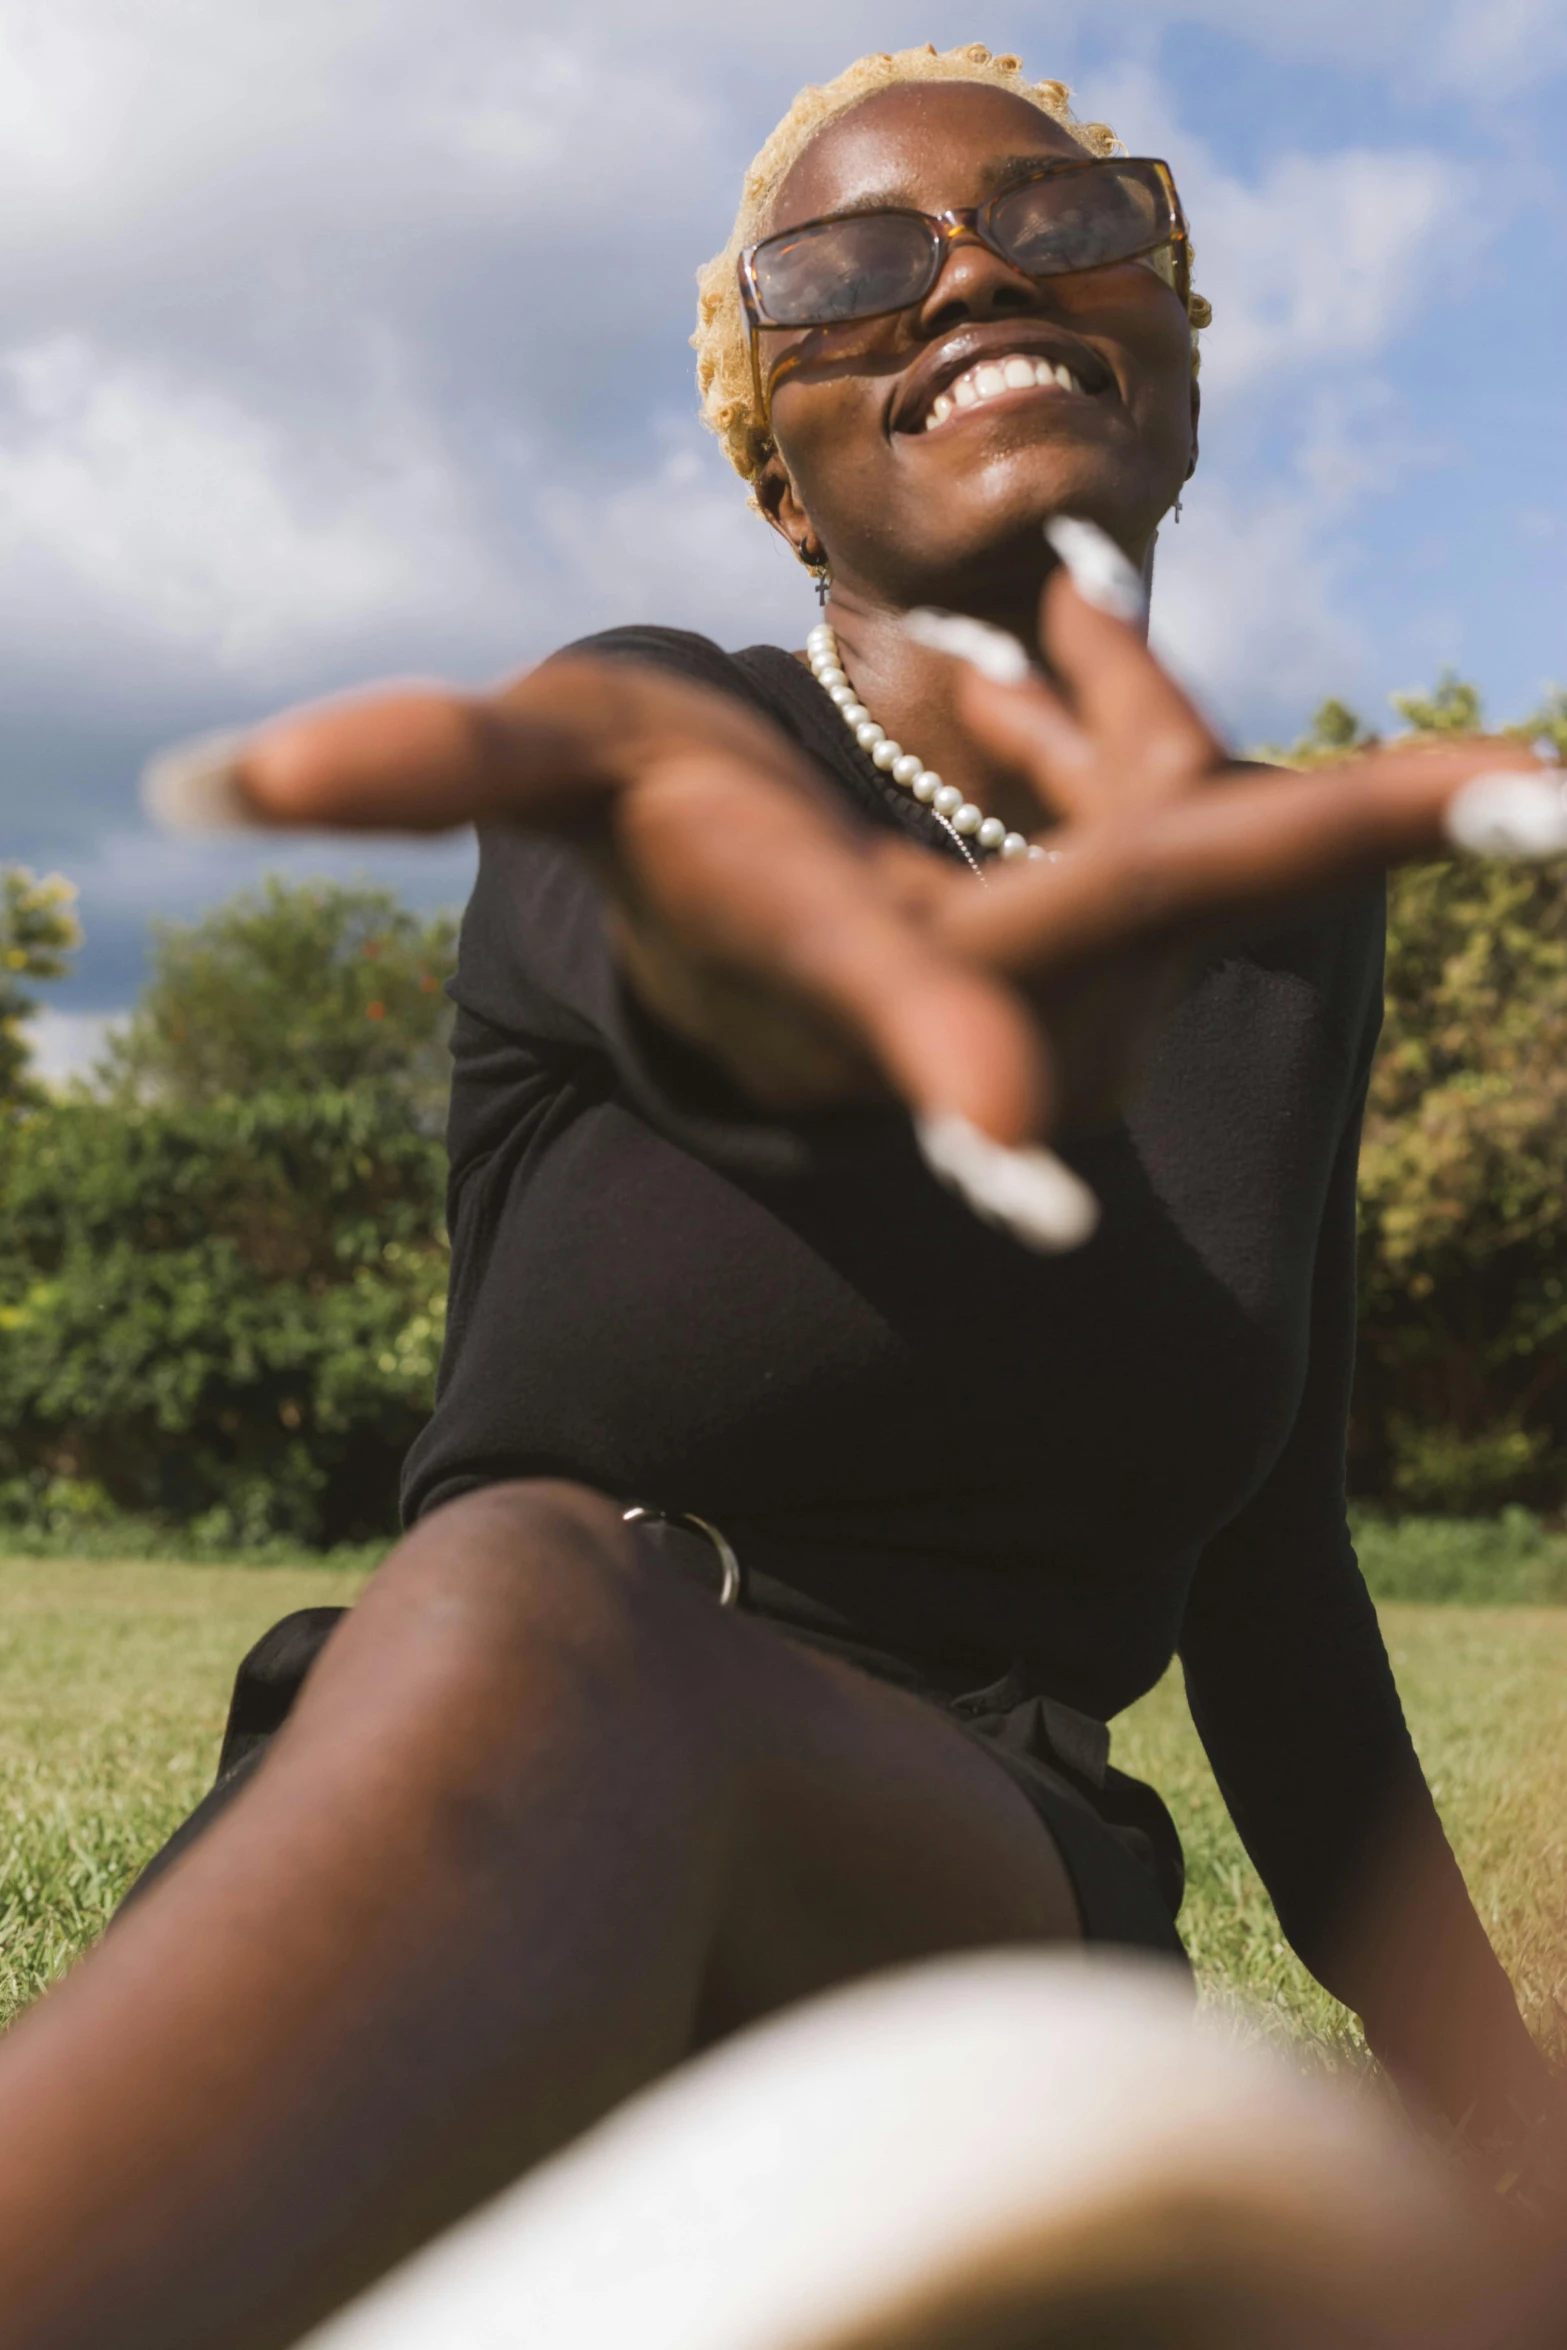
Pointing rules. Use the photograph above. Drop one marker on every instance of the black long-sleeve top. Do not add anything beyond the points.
(919, 1436)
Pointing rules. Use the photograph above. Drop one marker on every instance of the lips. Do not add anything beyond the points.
(971, 370)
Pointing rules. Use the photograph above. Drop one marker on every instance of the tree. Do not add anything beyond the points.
(290, 988)
(1333, 734)
(1462, 1393)
(223, 1317)
(1451, 708)
(1461, 1390)
(38, 936)
(223, 1271)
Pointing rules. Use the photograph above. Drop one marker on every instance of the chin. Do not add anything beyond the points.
(1008, 503)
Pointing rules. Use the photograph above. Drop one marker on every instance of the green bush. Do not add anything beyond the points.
(290, 987)
(225, 1319)
(223, 1264)
(1461, 1396)
(1461, 1383)
(1508, 1561)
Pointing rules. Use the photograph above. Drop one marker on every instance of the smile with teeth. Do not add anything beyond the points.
(988, 378)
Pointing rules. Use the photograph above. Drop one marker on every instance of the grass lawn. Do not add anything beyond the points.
(114, 1680)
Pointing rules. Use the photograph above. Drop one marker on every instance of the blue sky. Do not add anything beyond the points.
(336, 342)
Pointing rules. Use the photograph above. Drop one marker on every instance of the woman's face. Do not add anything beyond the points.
(908, 515)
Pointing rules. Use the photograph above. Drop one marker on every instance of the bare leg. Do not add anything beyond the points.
(542, 1822)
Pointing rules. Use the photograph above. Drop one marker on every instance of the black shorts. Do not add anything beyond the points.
(1115, 1836)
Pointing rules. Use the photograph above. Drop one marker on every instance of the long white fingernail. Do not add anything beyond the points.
(1031, 1192)
(989, 650)
(194, 786)
(1508, 815)
(1100, 572)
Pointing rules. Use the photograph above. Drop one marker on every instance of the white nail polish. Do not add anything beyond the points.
(193, 787)
(1031, 1192)
(1508, 815)
(989, 650)
(1100, 572)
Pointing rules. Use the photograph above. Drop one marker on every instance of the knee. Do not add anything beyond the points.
(518, 1573)
(530, 1525)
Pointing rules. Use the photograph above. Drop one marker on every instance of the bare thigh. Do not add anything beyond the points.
(873, 1831)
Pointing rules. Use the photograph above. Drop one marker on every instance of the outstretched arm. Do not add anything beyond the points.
(818, 963)
(1293, 1694)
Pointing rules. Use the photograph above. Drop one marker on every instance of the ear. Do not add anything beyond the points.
(779, 500)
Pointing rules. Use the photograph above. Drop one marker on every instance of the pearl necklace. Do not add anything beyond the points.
(946, 803)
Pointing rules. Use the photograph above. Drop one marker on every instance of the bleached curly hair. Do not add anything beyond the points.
(723, 360)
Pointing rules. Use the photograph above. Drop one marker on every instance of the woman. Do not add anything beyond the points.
(546, 1817)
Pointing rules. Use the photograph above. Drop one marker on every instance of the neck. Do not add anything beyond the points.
(913, 692)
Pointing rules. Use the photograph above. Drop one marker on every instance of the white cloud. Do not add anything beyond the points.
(1250, 609)
(1480, 50)
(177, 524)
(67, 1044)
(1325, 260)
(1317, 265)
(679, 544)
(208, 139)
(1490, 47)
(363, 492)
(170, 526)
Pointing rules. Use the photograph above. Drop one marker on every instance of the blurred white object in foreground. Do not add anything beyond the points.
(994, 2153)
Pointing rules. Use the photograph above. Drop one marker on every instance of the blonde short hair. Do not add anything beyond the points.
(723, 361)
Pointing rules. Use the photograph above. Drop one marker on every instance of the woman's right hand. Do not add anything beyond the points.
(819, 962)
(752, 913)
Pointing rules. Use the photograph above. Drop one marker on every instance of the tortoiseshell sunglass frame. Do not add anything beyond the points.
(954, 226)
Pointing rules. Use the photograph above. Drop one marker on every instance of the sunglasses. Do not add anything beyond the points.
(1060, 219)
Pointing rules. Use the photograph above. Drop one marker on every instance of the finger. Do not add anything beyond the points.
(771, 894)
(748, 875)
(548, 748)
(421, 759)
(1029, 728)
(1241, 848)
(1011, 709)
(1153, 741)
(759, 874)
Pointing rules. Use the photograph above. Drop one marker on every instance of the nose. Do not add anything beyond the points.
(974, 283)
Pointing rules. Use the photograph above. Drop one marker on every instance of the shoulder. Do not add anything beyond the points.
(681, 652)
(778, 686)
(765, 676)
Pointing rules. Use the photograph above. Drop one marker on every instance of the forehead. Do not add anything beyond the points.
(929, 144)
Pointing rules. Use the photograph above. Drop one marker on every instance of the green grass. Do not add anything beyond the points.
(1485, 1690)
(1512, 1560)
(114, 1680)
(114, 1683)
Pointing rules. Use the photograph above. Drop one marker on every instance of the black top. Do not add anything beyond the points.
(916, 1434)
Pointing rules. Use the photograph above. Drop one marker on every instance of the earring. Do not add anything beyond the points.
(820, 570)
(1178, 501)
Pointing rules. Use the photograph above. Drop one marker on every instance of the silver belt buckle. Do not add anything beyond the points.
(731, 1583)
